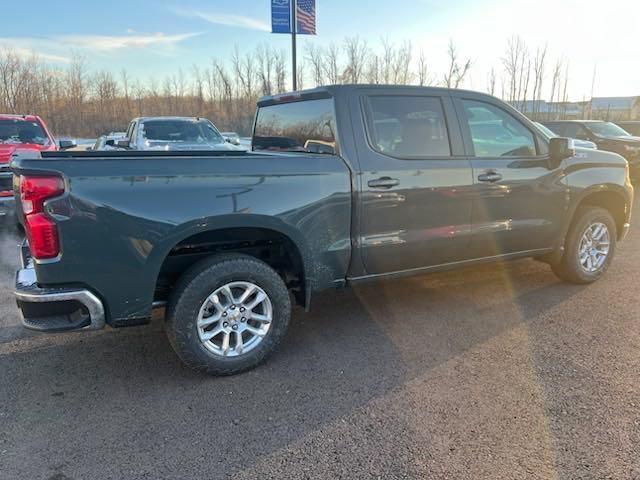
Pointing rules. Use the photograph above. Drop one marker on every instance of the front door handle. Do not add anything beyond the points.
(383, 182)
(490, 176)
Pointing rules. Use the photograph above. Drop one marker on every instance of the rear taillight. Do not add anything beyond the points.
(6, 193)
(41, 230)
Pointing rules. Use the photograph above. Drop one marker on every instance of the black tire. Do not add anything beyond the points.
(202, 280)
(569, 267)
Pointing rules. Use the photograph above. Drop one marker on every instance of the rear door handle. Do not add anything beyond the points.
(383, 182)
(490, 177)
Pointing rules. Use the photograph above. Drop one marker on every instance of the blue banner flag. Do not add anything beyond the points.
(280, 16)
(306, 17)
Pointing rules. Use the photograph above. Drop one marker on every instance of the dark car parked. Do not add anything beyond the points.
(633, 127)
(345, 184)
(606, 135)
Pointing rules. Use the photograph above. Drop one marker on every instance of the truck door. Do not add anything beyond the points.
(520, 202)
(415, 186)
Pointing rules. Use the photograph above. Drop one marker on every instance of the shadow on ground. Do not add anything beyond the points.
(118, 403)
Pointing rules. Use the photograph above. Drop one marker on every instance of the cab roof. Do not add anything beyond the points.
(334, 90)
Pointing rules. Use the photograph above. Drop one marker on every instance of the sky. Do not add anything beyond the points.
(153, 38)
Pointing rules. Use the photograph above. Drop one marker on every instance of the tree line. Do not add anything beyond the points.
(76, 100)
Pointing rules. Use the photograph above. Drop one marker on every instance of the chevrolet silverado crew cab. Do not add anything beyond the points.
(344, 184)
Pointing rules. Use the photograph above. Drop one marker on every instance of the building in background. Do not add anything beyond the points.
(598, 108)
(615, 108)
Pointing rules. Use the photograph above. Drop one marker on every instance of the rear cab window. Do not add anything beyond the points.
(303, 126)
(407, 126)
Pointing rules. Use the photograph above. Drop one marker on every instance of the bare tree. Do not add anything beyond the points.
(538, 80)
(315, 56)
(492, 81)
(517, 65)
(332, 64)
(281, 72)
(265, 58)
(424, 74)
(387, 61)
(555, 86)
(457, 70)
(402, 64)
(373, 69)
(356, 50)
(78, 100)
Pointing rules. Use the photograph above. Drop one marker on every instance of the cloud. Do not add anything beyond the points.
(226, 19)
(27, 52)
(108, 43)
(57, 48)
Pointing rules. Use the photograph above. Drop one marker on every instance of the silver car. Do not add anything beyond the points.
(174, 133)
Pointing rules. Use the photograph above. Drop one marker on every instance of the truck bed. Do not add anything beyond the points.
(128, 218)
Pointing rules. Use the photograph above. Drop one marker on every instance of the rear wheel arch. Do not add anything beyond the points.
(282, 249)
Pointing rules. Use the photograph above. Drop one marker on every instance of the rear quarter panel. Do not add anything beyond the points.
(122, 216)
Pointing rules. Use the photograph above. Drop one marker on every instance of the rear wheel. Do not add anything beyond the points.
(227, 314)
(589, 247)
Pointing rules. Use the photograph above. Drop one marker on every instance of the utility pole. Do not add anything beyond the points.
(294, 69)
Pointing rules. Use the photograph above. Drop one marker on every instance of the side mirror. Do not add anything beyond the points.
(66, 144)
(123, 144)
(110, 143)
(559, 149)
(232, 140)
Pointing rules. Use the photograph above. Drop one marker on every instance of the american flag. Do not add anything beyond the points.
(306, 17)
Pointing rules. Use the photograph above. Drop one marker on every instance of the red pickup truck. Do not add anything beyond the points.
(21, 132)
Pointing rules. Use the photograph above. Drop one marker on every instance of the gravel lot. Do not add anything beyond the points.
(488, 373)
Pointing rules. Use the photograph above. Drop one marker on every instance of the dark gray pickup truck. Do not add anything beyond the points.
(345, 184)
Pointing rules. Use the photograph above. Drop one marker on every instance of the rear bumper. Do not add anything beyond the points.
(54, 309)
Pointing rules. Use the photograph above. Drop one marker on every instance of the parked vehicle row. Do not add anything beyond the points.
(606, 135)
(344, 184)
(168, 133)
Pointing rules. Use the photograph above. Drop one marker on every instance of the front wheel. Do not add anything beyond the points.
(589, 248)
(227, 314)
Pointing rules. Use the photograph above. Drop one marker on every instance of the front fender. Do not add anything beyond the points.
(607, 173)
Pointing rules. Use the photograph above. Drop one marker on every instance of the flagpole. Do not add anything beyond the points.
(294, 81)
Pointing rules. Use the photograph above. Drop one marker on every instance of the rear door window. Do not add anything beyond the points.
(306, 126)
(407, 126)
